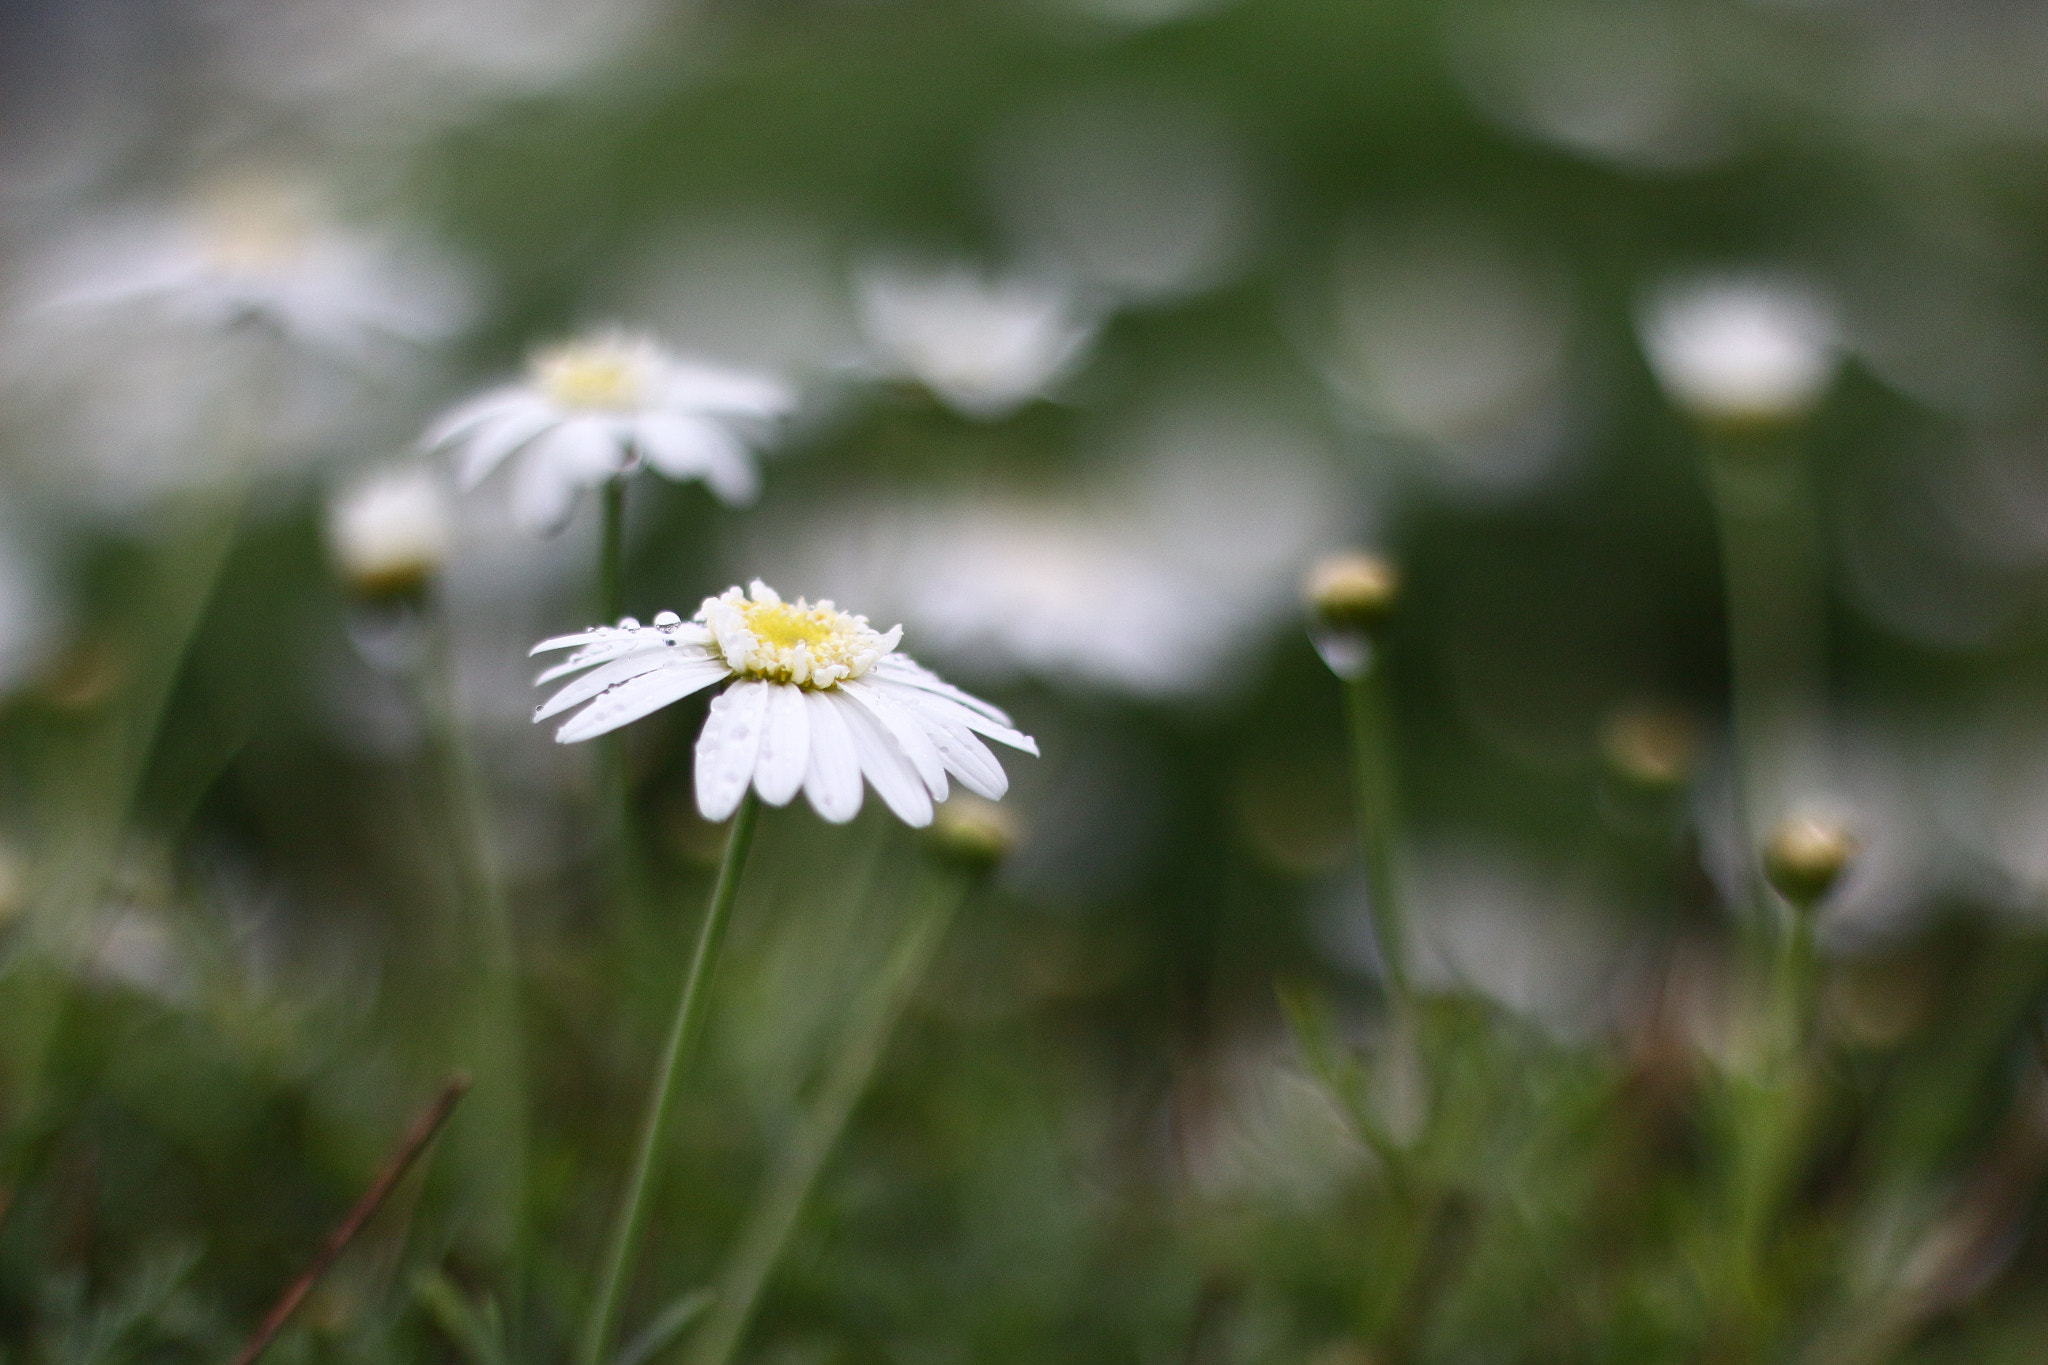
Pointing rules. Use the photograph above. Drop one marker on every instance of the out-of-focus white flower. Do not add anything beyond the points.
(1740, 350)
(760, 289)
(1628, 82)
(385, 68)
(169, 345)
(983, 344)
(1137, 196)
(390, 532)
(820, 700)
(1535, 939)
(596, 409)
(1153, 582)
(255, 253)
(138, 950)
(1456, 342)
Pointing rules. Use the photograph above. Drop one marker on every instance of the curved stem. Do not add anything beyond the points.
(682, 1036)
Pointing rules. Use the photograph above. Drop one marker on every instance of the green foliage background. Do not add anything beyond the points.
(1096, 1135)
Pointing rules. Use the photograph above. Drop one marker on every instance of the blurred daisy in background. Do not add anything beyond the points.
(390, 531)
(1154, 580)
(1630, 83)
(983, 344)
(1138, 196)
(169, 342)
(1456, 343)
(249, 253)
(819, 700)
(597, 409)
(383, 70)
(1740, 349)
(1539, 940)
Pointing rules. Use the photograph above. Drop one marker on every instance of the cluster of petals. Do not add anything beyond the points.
(881, 718)
(565, 432)
(257, 256)
(1741, 348)
(984, 345)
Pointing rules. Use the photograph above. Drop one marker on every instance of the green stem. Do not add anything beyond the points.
(1374, 784)
(795, 1170)
(1771, 575)
(1773, 580)
(682, 1036)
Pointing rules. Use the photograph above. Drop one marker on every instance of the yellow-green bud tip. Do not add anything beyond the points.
(974, 833)
(1352, 591)
(1806, 855)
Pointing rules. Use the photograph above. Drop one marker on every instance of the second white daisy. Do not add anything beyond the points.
(595, 410)
(820, 701)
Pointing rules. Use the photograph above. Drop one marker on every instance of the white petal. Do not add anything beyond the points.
(908, 732)
(948, 706)
(629, 701)
(714, 388)
(901, 668)
(488, 446)
(465, 417)
(727, 748)
(586, 449)
(966, 757)
(785, 745)
(832, 781)
(598, 679)
(693, 448)
(543, 497)
(884, 763)
(672, 649)
(581, 637)
(679, 446)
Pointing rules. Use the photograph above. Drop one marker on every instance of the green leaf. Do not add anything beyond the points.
(666, 1327)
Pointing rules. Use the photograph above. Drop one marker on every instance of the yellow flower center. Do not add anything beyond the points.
(594, 375)
(793, 642)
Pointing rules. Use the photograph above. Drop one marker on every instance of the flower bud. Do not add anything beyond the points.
(971, 833)
(1805, 856)
(389, 533)
(1350, 596)
(1741, 353)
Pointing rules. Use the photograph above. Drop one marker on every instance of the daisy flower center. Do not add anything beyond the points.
(593, 375)
(793, 642)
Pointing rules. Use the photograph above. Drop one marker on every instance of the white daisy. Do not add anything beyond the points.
(984, 346)
(249, 253)
(595, 409)
(821, 700)
(170, 346)
(390, 531)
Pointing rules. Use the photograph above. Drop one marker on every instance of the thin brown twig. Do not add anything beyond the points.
(401, 1161)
